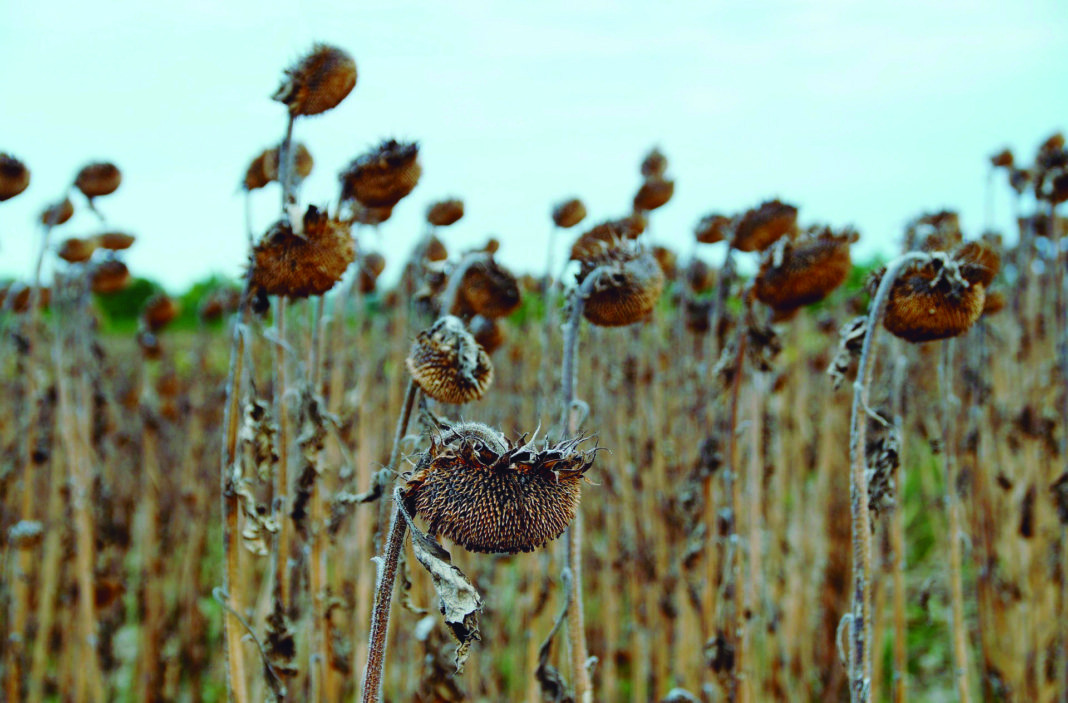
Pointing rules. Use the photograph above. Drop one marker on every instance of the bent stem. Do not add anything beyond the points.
(949, 460)
(569, 422)
(387, 569)
(860, 657)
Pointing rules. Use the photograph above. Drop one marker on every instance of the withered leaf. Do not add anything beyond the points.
(459, 602)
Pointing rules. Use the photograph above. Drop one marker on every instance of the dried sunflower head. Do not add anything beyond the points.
(758, 228)
(655, 192)
(569, 213)
(802, 271)
(317, 82)
(655, 164)
(14, 177)
(712, 228)
(256, 174)
(488, 289)
(159, 311)
(993, 303)
(297, 266)
(303, 163)
(100, 178)
(115, 241)
(940, 231)
(487, 332)
(1002, 159)
(109, 276)
(383, 176)
(629, 283)
(58, 213)
(491, 495)
(939, 298)
(700, 276)
(445, 212)
(371, 267)
(76, 250)
(435, 250)
(667, 260)
(448, 364)
(219, 302)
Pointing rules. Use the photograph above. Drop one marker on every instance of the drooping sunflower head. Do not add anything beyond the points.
(492, 495)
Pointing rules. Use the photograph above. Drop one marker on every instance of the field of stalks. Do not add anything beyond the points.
(752, 469)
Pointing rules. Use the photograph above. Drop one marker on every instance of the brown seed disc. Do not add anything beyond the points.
(75, 250)
(488, 289)
(435, 250)
(1002, 159)
(654, 165)
(256, 174)
(712, 229)
(993, 303)
(98, 179)
(700, 276)
(448, 364)
(115, 241)
(667, 260)
(655, 192)
(383, 176)
(760, 227)
(445, 212)
(371, 267)
(923, 310)
(109, 276)
(491, 496)
(569, 213)
(487, 332)
(979, 262)
(628, 289)
(804, 271)
(318, 82)
(58, 214)
(14, 177)
(160, 310)
(301, 266)
(303, 163)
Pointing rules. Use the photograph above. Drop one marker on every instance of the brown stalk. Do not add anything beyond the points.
(737, 623)
(152, 576)
(387, 572)
(236, 683)
(24, 564)
(48, 586)
(282, 546)
(88, 683)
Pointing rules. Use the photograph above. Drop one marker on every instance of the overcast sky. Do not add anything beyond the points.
(863, 113)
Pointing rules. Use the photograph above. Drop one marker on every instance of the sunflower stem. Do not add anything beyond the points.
(950, 405)
(576, 627)
(860, 662)
(235, 660)
(387, 571)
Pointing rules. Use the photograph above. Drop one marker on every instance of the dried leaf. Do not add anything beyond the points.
(459, 602)
(851, 339)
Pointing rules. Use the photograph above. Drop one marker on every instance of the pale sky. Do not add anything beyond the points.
(863, 113)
